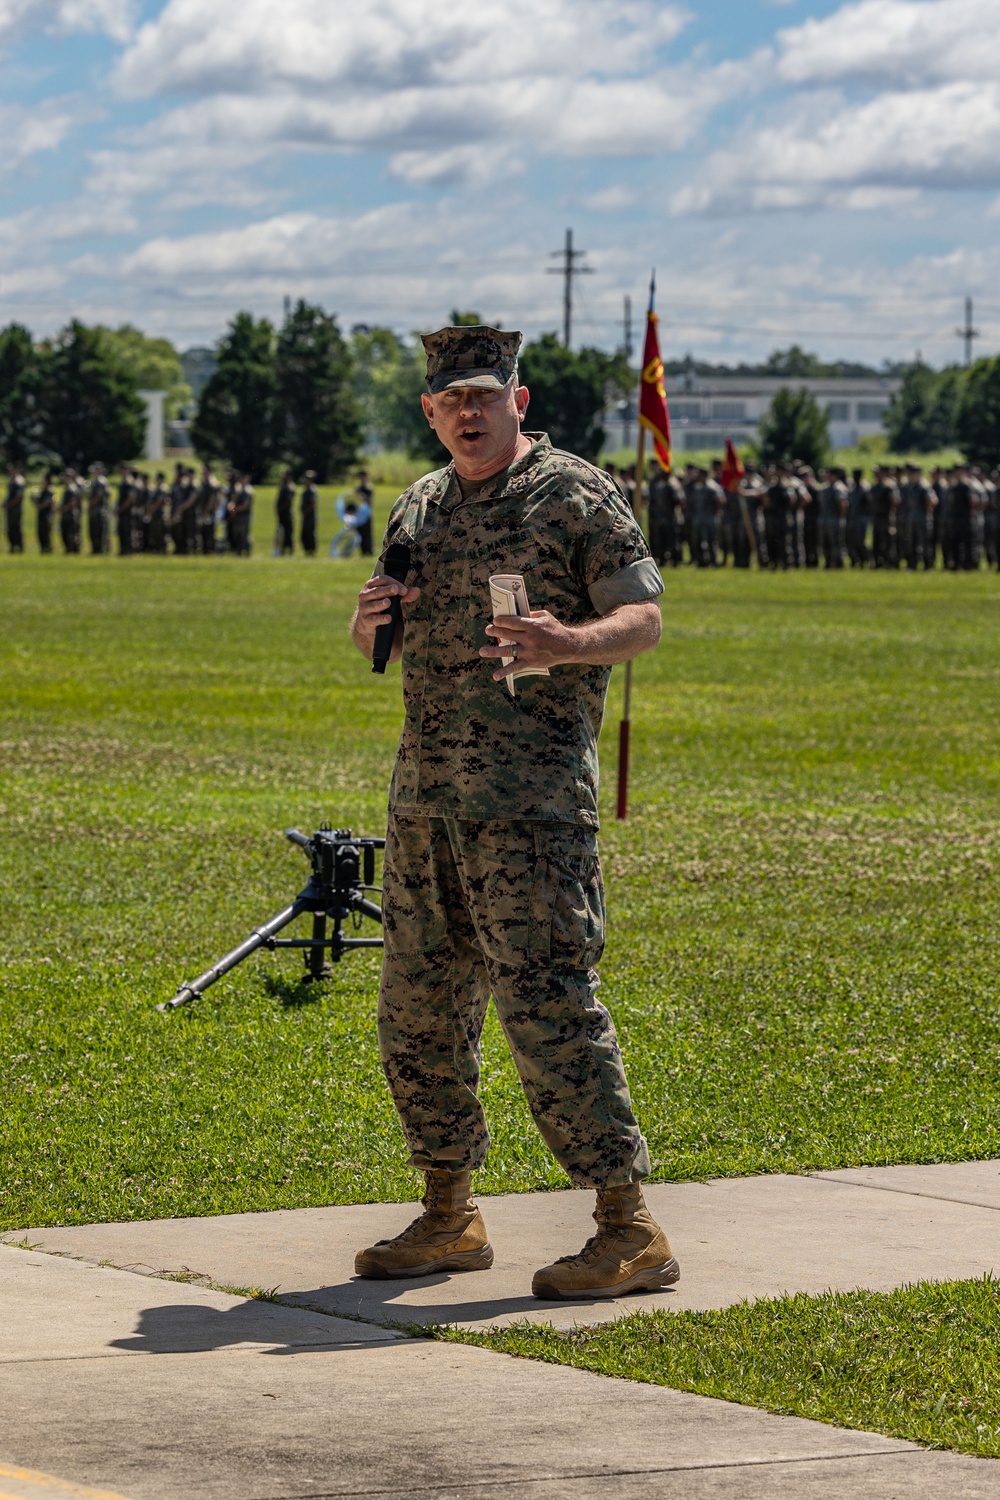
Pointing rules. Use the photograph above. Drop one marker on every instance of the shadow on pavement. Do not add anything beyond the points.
(377, 1302)
(186, 1328)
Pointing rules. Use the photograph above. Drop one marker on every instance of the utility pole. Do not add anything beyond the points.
(968, 333)
(627, 351)
(567, 271)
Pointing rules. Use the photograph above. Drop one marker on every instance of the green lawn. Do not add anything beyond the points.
(803, 961)
(921, 1363)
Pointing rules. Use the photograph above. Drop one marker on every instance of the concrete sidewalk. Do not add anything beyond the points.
(735, 1238)
(132, 1387)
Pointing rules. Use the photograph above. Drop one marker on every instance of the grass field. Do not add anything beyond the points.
(804, 903)
(921, 1363)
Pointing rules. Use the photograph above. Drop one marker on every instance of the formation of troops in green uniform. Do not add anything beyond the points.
(779, 517)
(785, 516)
(134, 512)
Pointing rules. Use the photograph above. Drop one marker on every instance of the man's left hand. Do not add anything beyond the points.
(542, 641)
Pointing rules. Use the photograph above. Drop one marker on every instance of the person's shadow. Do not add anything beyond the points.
(378, 1302)
(186, 1328)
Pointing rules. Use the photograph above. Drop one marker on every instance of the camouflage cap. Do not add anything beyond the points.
(470, 356)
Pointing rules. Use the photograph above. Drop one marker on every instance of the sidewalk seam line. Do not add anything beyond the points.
(912, 1451)
(877, 1187)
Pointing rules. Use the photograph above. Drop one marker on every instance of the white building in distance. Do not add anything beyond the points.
(705, 410)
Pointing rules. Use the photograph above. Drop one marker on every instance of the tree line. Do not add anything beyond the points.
(955, 407)
(304, 395)
(300, 394)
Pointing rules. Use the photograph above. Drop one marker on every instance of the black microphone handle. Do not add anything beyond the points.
(385, 635)
(397, 565)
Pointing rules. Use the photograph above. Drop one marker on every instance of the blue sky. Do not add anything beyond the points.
(821, 172)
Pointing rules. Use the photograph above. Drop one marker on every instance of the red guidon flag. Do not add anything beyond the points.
(653, 412)
(732, 468)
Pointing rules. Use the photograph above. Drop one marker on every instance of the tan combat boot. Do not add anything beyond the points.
(629, 1253)
(449, 1235)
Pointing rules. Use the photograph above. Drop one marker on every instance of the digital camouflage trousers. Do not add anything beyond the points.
(515, 910)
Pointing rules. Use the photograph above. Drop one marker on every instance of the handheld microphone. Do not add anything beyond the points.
(397, 565)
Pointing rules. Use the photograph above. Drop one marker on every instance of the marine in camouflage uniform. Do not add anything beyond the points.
(666, 517)
(833, 517)
(492, 882)
(917, 501)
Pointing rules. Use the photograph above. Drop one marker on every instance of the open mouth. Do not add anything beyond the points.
(471, 434)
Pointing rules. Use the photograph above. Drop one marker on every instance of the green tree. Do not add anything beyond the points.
(921, 416)
(794, 361)
(794, 428)
(20, 391)
(977, 424)
(317, 412)
(390, 382)
(236, 416)
(92, 411)
(154, 364)
(569, 390)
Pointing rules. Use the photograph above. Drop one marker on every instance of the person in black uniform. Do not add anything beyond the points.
(308, 504)
(809, 510)
(206, 506)
(157, 513)
(123, 511)
(365, 496)
(45, 504)
(140, 513)
(70, 513)
(97, 511)
(284, 507)
(858, 515)
(778, 506)
(13, 510)
(242, 513)
(177, 492)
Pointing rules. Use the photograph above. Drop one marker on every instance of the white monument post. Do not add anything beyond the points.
(153, 445)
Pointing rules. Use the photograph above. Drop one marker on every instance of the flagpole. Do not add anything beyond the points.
(625, 727)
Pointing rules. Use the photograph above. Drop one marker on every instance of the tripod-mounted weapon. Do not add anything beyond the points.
(343, 869)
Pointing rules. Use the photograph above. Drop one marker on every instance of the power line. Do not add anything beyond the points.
(627, 327)
(567, 271)
(968, 333)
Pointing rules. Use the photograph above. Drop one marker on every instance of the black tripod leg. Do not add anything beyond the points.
(316, 957)
(257, 939)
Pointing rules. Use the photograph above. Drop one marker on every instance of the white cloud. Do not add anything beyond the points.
(880, 153)
(473, 165)
(899, 41)
(449, 96)
(291, 244)
(112, 17)
(610, 200)
(25, 132)
(249, 45)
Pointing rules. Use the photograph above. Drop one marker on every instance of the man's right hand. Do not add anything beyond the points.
(373, 611)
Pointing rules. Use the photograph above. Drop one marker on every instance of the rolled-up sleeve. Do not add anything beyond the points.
(615, 565)
(636, 582)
